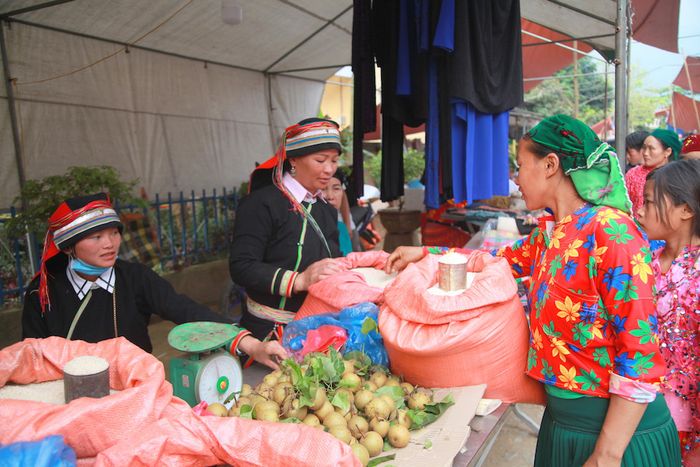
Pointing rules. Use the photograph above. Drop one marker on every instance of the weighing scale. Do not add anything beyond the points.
(209, 372)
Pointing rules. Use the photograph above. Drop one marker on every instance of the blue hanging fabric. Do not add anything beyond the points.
(443, 40)
(479, 153)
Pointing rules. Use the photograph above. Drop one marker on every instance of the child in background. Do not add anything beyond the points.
(335, 195)
(671, 212)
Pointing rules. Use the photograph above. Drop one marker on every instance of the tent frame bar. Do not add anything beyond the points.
(313, 68)
(311, 13)
(150, 49)
(308, 38)
(126, 44)
(559, 41)
(29, 9)
(582, 12)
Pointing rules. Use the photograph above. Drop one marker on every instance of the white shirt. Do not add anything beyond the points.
(300, 193)
(82, 286)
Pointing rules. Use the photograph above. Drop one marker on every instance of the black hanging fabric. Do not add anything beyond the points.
(397, 54)
(364, 101)
(486, 68)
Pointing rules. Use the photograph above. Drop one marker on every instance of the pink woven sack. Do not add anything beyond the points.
(479, 336)
(143, 424)
(347, 288)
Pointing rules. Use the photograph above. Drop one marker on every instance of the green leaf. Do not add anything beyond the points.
(644, 332)
(380, 460)
(583, 333)
(232, 397)
(340, 400)
(549, 330)
(396, 394)
(246, 412)
(290, 420)
(294, 369)
(369, 325)
(362, 362)
(531, 358)
(602, 356)
(618, 232)
(589, 380)
(643, 363)
(431, 412)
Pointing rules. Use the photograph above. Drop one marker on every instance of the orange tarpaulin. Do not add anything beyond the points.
(685, 113)
(655, 22)
(545, 60)
(693, 69)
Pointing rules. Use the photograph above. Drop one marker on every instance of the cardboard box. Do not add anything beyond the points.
(447, 434)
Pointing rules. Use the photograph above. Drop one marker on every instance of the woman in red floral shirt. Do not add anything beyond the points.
(593, 328)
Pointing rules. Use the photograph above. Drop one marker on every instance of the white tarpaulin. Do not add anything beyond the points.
(174, 123)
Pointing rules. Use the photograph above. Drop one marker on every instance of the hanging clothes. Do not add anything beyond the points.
(364, 98)
(480, 153)
(396, 52)
(437, 39)
(486, 67)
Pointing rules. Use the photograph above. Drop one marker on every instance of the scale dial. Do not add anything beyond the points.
(220, 375)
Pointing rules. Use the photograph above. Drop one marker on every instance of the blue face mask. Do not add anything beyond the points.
(82, 267)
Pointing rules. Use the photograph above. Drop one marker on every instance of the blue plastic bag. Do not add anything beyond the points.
(360, 322)
(51, 451)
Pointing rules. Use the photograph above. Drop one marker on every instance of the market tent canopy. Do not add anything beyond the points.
(167, 92)
(164, 91)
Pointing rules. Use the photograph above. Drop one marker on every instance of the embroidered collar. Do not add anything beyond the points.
(300, 193)
(82, 286)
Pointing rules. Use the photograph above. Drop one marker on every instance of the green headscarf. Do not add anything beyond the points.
(591, 163)
(670, 139)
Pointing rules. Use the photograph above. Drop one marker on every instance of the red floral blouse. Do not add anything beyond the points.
(593, 326)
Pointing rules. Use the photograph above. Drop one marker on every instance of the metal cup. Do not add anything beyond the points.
(86, 385)
(452, 272)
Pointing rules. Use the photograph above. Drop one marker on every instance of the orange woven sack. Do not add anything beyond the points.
(479, 336)
(143, 424)
(345, 289)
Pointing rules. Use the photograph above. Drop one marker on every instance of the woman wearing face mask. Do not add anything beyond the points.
(286, 234)
(84, 292)
(660, 147)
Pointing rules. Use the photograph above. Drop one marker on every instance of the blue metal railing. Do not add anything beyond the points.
(188, 229)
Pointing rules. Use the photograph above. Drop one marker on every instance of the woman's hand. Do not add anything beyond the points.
(601, 460)
(316, 272)
(268, 353)
(402, 257)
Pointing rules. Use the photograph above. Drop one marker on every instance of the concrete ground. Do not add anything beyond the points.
(514, 446)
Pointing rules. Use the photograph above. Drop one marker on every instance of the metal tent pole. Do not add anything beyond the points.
(621, 32)
(31, 247)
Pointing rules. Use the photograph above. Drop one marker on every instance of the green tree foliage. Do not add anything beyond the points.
(644, 101)
(556, 95)
(43, 196)
(413, 165)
